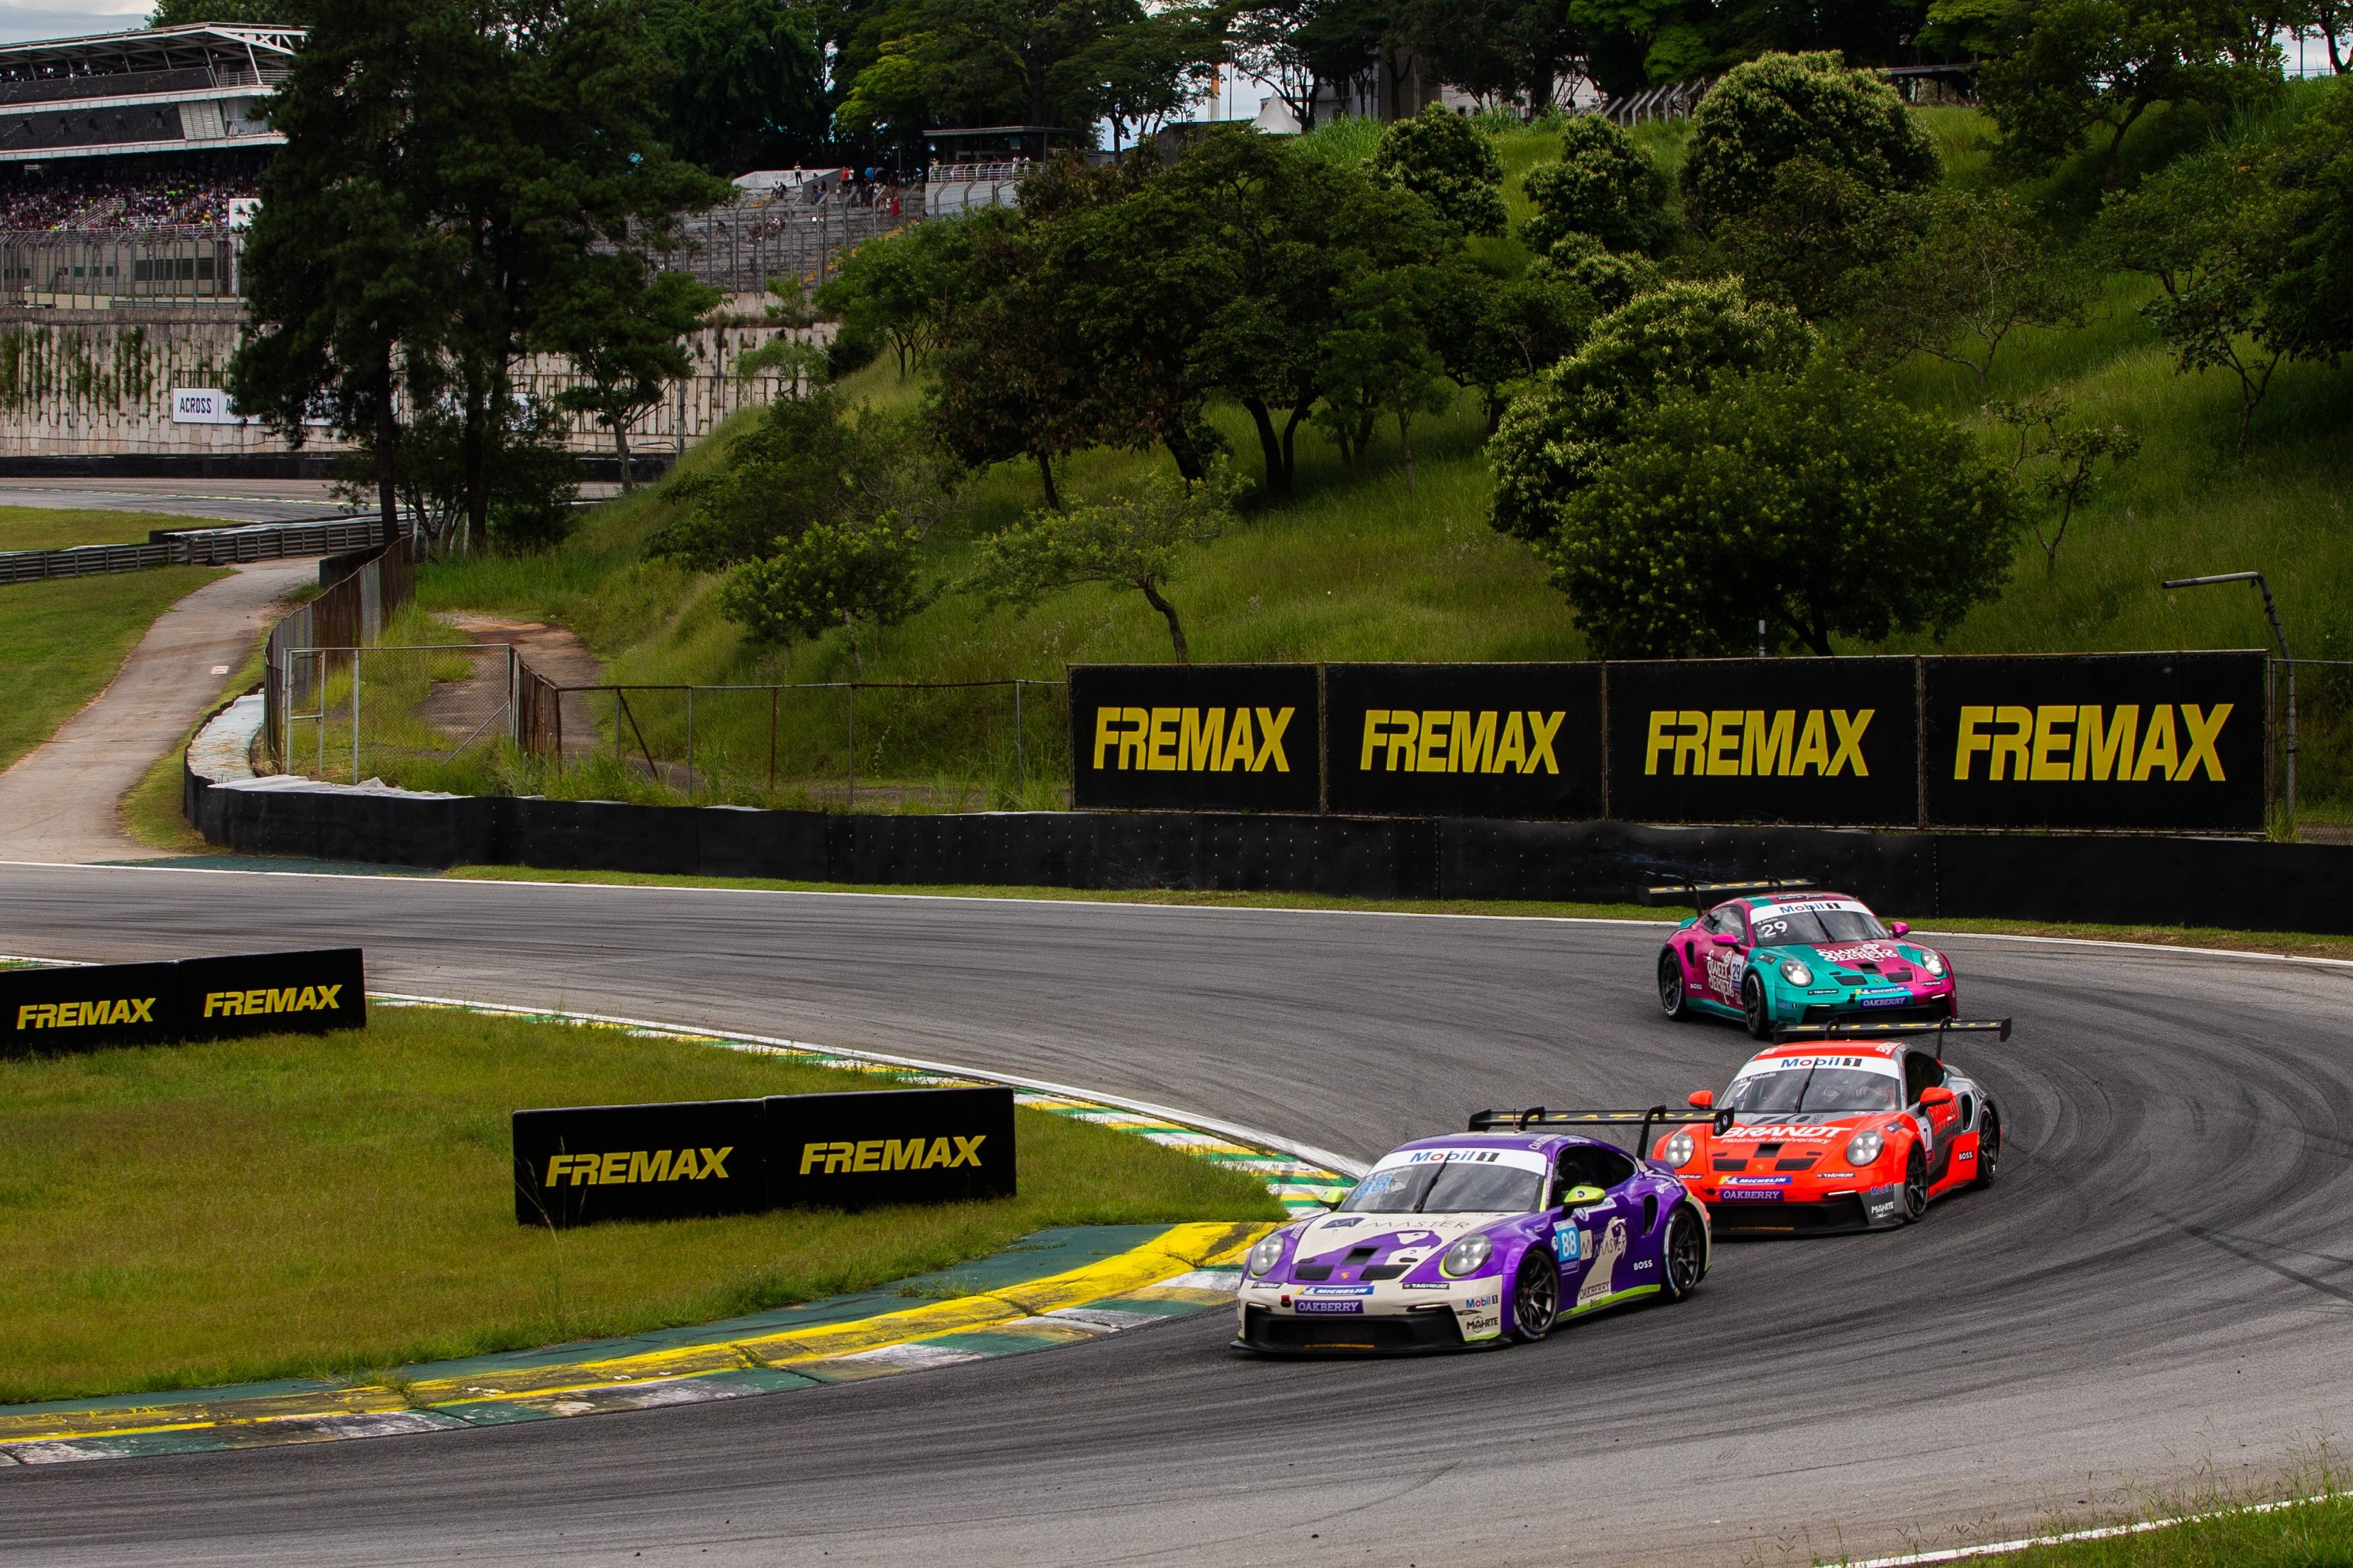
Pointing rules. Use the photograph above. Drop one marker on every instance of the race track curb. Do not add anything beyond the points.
(1053, 1287)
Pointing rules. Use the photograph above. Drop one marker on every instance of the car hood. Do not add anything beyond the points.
(1395, 1237)
(1849, 954)
(1810, 1127)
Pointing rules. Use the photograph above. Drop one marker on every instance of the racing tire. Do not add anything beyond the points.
(1671, 998)
(1916, 1185)
(1682, 1261)
(1988, 1148)
(1753, 1011)
(1536, 1299)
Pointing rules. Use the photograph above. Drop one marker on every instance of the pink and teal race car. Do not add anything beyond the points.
(1791, 956)
(1484, 1238)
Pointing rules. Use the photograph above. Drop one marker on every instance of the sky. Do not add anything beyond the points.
(22, 19)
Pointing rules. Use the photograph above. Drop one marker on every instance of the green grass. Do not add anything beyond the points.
(41, 528)
(183, 1217)
(153, 813)
(2316, 1534)
(61, 642)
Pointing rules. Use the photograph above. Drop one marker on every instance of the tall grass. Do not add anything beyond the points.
(61, 642)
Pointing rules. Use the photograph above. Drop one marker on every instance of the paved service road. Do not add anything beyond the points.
(2162, 1282)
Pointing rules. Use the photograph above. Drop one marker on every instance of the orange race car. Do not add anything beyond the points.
(1840, 1127)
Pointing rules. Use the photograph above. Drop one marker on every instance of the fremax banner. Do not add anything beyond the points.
(586, 1163)
(46, 1012)
(2161, 742)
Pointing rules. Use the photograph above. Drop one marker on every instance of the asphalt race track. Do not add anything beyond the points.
(2159, 1289)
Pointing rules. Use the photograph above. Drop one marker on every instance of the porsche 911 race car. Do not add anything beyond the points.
(1484, 1238)
(1840, 1127)
(1792, 957)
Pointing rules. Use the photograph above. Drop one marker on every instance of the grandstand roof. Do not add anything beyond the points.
(156, 89)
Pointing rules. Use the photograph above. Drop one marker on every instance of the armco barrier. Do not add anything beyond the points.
(2107, 878)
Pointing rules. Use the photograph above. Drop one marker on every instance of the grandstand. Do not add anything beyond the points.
(128, 160)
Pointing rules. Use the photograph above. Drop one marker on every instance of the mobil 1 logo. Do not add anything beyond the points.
(1207, 737)
(1831, 741)
(1463, 740)
(905, 1146)
(2154, 740)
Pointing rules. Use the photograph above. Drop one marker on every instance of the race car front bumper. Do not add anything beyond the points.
(1285, 1320)
(1876, 1209)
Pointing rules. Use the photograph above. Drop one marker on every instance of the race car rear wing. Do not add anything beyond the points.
(1704, 895)
(1537, 1116)
(1940, 1028)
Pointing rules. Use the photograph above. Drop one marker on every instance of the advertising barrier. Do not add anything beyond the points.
(1210, 737)
(46, 1012)
(697, 1158)
(2139, 742)
(2127, 739)
(1463, 740)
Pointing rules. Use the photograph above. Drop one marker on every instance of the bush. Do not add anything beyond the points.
(1604, 186)
(1779, 107)
(1443, 159)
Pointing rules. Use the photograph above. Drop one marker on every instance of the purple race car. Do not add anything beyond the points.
(1484, 1238)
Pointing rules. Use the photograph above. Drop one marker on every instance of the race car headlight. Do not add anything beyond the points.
(1864, 1148)
(1466, 1256)
(1679, 1150)
(1266, 1254)
(1796, 973)
(1933, 962)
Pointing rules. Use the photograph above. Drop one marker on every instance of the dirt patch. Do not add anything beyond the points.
(456, 708)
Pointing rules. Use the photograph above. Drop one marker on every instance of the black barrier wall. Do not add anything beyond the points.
(51, 1011)
(1210, 737)
(2151, 741)
(697, 1158)
(1463, 740)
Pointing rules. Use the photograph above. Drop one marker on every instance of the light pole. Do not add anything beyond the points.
(2279, 634)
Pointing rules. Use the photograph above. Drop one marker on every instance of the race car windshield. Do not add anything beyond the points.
(1816, 926)
(1796, 1091)
(1449, 1188)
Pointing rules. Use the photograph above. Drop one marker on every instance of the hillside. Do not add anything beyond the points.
(1354, 568)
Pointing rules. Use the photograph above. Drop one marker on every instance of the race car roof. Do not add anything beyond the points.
(1470, 1149)
(1802, 903)
(1868, 1056)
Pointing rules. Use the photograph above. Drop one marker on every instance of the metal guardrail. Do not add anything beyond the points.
(194, 547)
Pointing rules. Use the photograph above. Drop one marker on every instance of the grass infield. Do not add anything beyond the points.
(2314, 1534)
(43, 528)
(2288, 943)
(305, 1205)
(61, 642)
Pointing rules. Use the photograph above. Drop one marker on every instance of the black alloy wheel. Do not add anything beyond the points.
(1916, 1185)
(1752, 1008)
(1685, 1263)
(1672, 1000)
(1988, 1148)
(1536, 1297)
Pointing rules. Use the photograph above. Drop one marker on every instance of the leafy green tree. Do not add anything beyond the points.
(1557, 433)
(1785, 498)
(861, 577)
(622, 330)
(1443, 159)
(2078, 68)
(1142, 72)
(899, 288)
(2059, 463)
(973, 62)
(1604, 186)
(1495, 49)
(748, 82)
(2307, 231)
(1812, 245)
(1377, 358)
(1611, 277)
(810, 462)
(2200, 230)
(1777, 108)
(1134, 539)
(1491, 332)
(1979, 269)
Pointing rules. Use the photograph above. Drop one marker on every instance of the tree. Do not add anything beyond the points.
(1783, 498)
(1780, 107)
(810, 462)
(1979, 269)
(1496, 49)
(748, 82)
(973, 62)
(1377, 358)
(1822, 229)
(1556, 435)
(2200, 230)
(2078, 67)
(265, 13)
(2307, 227)
(621, 330)
(2059, 462)
(898, 287)
(1142, 72)
(1444, 160)
(1134, 540)
(1604, 186)
(1491, 332)
(859, 576)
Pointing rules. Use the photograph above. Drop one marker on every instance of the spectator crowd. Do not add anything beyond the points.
(59, 199)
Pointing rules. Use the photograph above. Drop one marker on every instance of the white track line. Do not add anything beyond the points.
(2105, 1532)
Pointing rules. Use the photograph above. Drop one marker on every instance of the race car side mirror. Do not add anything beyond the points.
(1577, 1197)
(1705, 1099)
(1724, 941)
(1938, 1096)
(1900, 929)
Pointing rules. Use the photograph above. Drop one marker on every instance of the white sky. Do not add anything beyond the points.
(22, 19)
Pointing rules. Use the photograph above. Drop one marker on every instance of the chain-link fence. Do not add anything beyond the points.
(348, 714)
(2323, 691)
